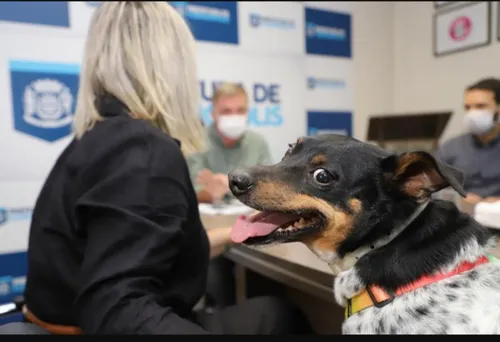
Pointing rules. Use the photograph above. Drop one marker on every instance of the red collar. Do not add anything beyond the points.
(376, 296)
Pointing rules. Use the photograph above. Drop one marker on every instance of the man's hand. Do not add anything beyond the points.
(204, 177)
(216, 190)
(219, 239)
(216, 185)
(491, 199)
(473, 198)
(222, 180)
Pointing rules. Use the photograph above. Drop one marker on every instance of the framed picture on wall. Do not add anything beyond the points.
(439, 4)
(462, 28)
(498, 21)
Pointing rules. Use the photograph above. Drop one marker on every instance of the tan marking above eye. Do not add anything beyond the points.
(318, 160)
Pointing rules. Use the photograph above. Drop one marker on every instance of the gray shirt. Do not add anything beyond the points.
(250, 150)
(480, 163)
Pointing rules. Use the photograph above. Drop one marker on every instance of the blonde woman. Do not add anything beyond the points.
(116, 243)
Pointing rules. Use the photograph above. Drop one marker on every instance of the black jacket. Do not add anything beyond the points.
(116, 243)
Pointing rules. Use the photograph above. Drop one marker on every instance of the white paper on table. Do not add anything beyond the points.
(226, 209)
(488, 214)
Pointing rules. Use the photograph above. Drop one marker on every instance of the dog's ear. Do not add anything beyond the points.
(419, 174)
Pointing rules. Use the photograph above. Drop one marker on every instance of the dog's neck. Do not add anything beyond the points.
(341, 264)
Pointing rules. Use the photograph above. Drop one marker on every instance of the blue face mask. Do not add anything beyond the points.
(479, 121)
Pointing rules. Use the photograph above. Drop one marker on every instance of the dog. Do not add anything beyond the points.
(405, 263)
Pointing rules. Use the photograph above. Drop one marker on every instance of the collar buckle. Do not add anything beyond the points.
(382, 303)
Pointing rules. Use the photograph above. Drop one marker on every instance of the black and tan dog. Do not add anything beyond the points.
(405, 264)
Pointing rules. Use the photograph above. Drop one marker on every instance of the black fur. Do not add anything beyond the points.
(368, 174)
(427, 244)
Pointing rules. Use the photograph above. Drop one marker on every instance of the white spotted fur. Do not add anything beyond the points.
(468, 303)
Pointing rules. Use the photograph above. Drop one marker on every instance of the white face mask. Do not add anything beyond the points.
(479, 121)
(232, 126)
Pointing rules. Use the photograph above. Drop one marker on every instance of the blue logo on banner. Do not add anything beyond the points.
(265, 104)
(324, 83)
(52, 13)
(94, 4)
(13, 268)
(213, 21)
(15, 214)
(328, 33)
(257, 20)
(43, 98)
(329, 122)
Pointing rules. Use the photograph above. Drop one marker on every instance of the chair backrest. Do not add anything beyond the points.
(22, 328)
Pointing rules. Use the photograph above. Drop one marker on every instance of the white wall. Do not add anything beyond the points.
(373, 61)
(423, 82)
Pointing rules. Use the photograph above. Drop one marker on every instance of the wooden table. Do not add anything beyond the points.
(308, 280)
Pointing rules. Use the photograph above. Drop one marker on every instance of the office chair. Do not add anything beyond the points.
(11, 320)
(22, 328)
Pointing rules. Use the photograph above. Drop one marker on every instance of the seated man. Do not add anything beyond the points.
(230, 145)
(477, 152)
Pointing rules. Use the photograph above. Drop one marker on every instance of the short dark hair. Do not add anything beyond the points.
(491, 84)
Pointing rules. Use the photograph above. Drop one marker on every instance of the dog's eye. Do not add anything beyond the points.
(322, 176)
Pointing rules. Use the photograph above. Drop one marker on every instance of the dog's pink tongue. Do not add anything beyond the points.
(261, 224)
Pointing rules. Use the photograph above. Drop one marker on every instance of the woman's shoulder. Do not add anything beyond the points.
(123, 129)
(126, 142)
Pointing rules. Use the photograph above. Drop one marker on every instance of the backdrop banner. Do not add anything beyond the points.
(294, 59)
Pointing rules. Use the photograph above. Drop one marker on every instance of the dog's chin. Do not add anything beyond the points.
(308, 222)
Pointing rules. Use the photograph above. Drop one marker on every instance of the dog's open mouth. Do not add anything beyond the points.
(272, 227)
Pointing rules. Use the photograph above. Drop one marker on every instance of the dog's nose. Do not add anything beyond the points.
(239, 182)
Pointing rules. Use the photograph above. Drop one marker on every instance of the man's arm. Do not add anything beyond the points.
(132, 222)
(219, 238)
(447, 152)
(492, 199)
(203, 196)
(442, 153)
(196, 163)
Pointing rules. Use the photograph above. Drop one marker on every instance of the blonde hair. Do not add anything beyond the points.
(228, 89)
(143, 54)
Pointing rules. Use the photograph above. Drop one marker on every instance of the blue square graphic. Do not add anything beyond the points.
(328, 33)
(211, 21)
(43, 98)
(13, 268)
(319, 122)
(52, 13)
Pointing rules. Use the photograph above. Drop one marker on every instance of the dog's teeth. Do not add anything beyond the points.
(300, 223)
(287, 229)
